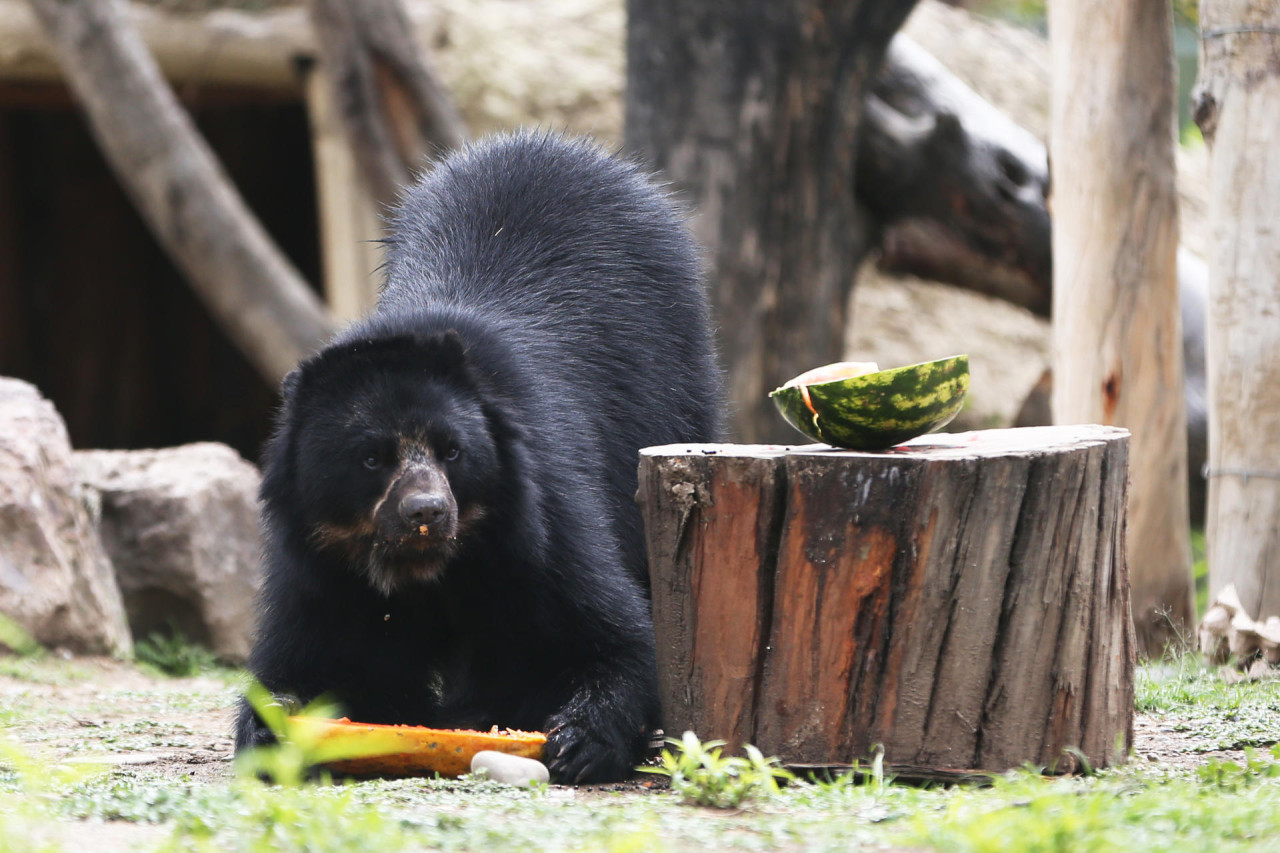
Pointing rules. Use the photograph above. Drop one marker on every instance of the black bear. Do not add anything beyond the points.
(451, 532)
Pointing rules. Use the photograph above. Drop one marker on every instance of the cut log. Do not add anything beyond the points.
(962, 600)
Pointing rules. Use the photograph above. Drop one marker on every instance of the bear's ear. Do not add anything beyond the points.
(441, 354)
(447, 352)
(289, 387)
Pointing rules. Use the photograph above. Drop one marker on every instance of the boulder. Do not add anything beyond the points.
(55, 577)
(181, 526)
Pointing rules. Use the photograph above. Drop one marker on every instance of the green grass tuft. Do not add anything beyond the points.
(701, 775)
(16, 639)
(173, 653)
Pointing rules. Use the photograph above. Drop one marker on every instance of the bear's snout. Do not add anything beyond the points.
(419, 508)
(424, 508)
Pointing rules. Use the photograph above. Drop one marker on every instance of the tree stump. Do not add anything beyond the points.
(961, 600)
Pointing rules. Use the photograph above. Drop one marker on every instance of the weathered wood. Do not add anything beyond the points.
(959, 186)
(350, 231)
(961, 600)
(390, 100)
(1116, 353)
(245, 49)
(1238, 110)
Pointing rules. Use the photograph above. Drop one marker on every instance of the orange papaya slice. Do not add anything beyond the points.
(383, 750)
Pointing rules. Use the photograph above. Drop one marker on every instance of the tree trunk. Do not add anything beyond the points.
(178, 186)
(753, 109)
(394, 107)
(961, 600)
(1238, 110)
(1117, 355)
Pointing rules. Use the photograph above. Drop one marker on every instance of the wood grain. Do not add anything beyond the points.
(961, 601)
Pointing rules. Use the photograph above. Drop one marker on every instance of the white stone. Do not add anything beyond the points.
(509, 769)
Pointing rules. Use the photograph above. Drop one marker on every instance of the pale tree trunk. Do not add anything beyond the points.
(174, 179)
(1238, 110)
(753, 109)
(1117, 356)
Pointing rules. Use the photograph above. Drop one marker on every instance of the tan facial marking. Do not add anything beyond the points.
(347, 537)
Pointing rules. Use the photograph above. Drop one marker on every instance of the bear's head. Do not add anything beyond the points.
(385, 457)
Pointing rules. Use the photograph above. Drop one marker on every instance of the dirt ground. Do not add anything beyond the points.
(110, 712)
(105, 711)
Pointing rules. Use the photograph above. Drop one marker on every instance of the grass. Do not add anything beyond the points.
(172, 653)
(700, 775)
(1212, 804)
(1200, 570)
(1226, 807)
(1229, 716)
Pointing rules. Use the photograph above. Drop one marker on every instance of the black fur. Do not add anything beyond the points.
(543, 318)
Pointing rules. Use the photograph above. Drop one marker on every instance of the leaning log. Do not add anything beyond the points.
(961, 600)
(390, 100)
(935, 157)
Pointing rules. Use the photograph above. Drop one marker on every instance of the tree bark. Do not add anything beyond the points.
(961, 600)
(1238, 110)
(179, 187)
(394, 107)
(753, 108)
(961, 188)
(1117, 355)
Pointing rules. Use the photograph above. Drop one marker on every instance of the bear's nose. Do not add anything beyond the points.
(423, 508)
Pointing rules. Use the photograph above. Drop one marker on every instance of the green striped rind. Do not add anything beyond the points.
(879, 410)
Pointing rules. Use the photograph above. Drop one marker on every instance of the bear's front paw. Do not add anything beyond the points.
(581, 750)
(251, 731)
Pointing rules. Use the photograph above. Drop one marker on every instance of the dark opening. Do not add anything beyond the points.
(92, 311)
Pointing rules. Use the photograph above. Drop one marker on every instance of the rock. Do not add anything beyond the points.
(55, 577)
(181, 525)
(509, 769)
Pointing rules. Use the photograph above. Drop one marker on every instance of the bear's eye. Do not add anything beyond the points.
(373, 463)
(451, 453)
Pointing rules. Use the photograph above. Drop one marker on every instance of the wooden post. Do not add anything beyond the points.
(1117, 343)
(961, 600)
(1238, 110)
(349, 227)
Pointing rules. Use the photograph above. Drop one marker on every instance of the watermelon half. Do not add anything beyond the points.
(856, 406)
